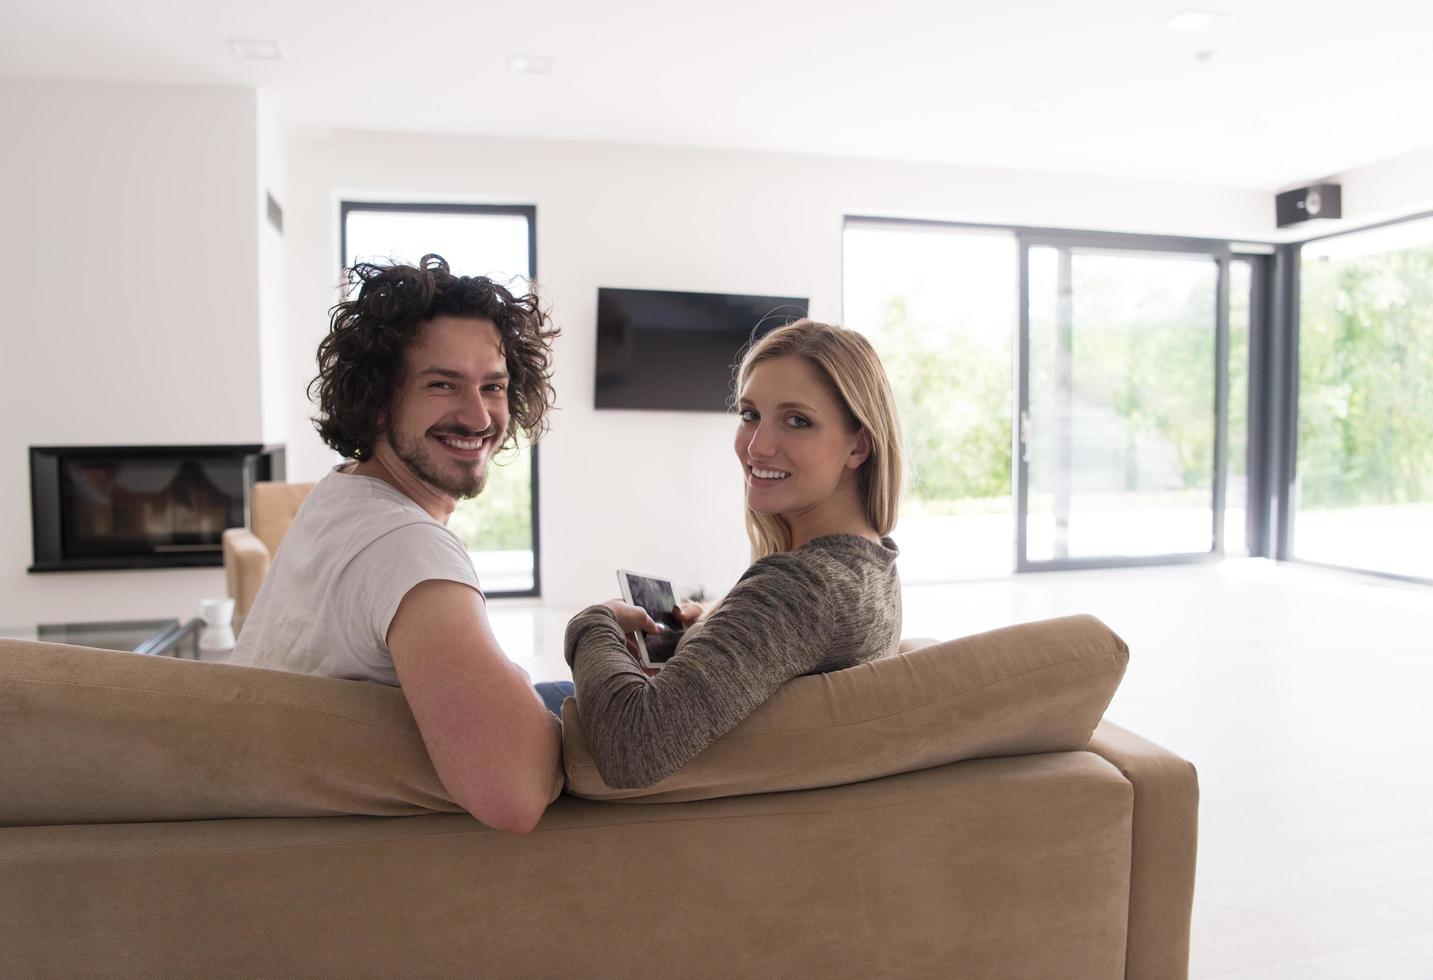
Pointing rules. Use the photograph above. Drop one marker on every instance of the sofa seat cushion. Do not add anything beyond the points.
(1037, 687)
(96, 736)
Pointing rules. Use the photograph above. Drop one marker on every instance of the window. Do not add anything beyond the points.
(500, 526)
(1363, 489)
(1064, 396)
(1243, 271)
(939, 305)
(1121, 423)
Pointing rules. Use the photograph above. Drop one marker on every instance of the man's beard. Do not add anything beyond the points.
(421, 462)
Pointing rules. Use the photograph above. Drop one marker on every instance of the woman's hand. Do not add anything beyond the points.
(631, 618)
(689, 612)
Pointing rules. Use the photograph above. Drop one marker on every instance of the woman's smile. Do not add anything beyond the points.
(766, 475)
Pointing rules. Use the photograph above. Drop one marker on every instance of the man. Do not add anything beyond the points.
(423, 376)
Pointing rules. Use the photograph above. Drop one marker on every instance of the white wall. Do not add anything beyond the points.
(154, 306)
(271, 287)
(130, 257)
(681, 219)
(1392, 188)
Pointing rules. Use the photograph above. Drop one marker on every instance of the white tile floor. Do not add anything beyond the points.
(1301, 695)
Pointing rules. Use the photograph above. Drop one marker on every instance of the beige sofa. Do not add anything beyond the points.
(940, 813)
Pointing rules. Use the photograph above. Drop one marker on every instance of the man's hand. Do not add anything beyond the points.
(494, 745)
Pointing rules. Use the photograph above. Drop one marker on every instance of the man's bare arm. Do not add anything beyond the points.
(495, 747)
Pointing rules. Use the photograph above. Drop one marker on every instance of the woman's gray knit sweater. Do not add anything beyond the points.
(832, 603)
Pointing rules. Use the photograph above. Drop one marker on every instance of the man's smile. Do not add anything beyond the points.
(465, 447)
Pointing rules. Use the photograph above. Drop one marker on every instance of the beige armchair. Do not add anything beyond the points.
(248, 551)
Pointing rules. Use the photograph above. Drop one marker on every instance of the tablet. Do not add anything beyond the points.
(655, 595)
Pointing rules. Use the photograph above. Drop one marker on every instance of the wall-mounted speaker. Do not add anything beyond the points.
(1308, 203)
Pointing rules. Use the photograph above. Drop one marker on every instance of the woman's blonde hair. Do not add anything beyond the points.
(853, 371)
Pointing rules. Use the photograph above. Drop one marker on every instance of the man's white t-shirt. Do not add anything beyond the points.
(354, 550)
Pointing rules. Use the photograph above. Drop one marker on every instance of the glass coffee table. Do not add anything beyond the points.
(163, 637)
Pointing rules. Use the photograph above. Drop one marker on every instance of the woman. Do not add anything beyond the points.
(818, 441)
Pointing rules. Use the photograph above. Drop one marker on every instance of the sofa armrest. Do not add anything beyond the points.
(1166, 823)
(246, 562)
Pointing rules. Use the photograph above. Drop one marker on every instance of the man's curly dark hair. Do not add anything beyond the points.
(360, 361)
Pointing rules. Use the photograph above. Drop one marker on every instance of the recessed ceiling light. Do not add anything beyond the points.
(529, 64)
(1191, 21)
(255, 50)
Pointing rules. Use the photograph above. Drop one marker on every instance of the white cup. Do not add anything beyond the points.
(217, 612)
(215, 638)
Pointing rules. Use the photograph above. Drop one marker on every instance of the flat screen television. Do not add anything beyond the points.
(671, 351)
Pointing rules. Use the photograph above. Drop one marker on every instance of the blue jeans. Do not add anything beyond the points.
(552, 693)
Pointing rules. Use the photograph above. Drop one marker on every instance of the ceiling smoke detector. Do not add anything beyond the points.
(530, 64)
(255, 50)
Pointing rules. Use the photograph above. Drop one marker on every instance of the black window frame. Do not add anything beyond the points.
(528, 211)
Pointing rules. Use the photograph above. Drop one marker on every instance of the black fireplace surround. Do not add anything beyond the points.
(108, 507)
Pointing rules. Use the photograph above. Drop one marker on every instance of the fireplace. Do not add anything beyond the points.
(102, 507)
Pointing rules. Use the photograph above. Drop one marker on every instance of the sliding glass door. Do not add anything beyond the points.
(939, 304)
(1243, 523)
(1067, 399)
(1123, 399)
(1363, 492)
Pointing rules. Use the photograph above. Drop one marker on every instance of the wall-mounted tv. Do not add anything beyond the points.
(673, 351)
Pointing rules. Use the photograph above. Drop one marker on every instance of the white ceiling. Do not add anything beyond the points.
(1287, 91)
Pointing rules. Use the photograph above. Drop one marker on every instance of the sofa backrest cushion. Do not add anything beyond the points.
(95, 736)
(1038, 687)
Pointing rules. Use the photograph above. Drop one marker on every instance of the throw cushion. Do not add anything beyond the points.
(1038, 687)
